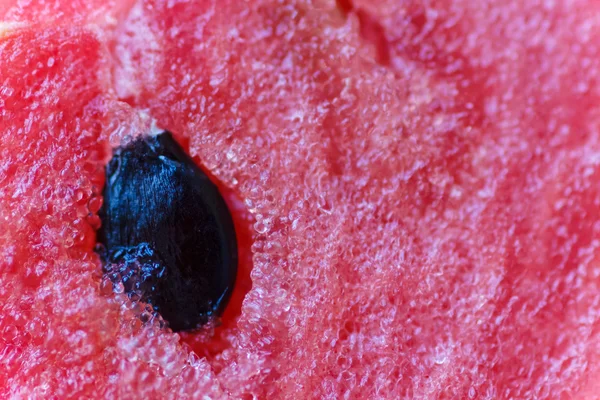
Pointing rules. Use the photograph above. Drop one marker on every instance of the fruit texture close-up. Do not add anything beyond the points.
(401, 198)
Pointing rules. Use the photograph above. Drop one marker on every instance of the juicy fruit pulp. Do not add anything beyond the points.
(167, 232)
(424, 227)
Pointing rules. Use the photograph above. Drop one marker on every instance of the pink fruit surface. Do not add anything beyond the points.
(415, 183)
(42, 12)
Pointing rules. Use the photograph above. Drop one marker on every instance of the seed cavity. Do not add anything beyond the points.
(167, 235)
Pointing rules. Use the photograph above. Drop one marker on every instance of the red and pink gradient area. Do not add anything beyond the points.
(414, 185)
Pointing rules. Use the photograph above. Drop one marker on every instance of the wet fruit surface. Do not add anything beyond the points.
(167, 232)
(421, 177)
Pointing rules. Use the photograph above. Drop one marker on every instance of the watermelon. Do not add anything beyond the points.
(413, 186)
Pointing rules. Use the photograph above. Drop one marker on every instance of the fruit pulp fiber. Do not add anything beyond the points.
(415, 183)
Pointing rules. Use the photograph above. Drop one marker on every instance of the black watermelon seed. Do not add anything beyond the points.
(167, 232)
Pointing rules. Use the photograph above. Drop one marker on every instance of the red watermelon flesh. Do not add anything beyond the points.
(420, 176)
(99, 12)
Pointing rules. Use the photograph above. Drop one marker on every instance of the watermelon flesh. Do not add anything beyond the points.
(413, 183)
